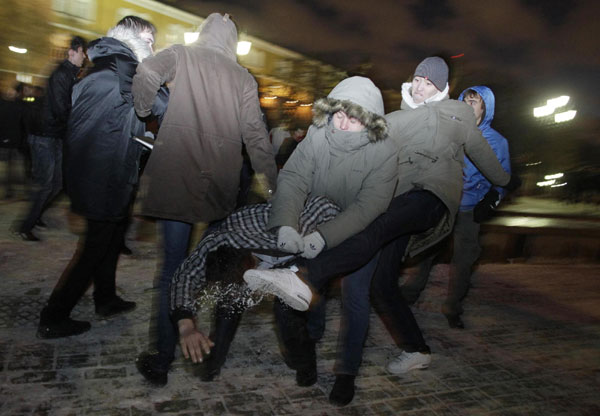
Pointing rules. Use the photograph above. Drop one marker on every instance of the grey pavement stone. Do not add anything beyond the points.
(531, 347)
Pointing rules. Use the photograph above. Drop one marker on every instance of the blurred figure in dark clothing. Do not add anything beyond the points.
(11, 136)
(101, 172)
(288, 146)
(45, 139)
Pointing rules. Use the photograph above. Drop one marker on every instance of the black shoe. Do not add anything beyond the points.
(126, 250)
(148, 366)
(41, 224)
(342, 392)
(28, 236)
(65, 328)
(306, 376)
(115, 307)
(455, 322)
(209, 370)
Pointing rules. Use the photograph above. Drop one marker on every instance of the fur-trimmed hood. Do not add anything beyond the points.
(131, 38)
(358, 97)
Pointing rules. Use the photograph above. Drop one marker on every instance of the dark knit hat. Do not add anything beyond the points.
(435, 70)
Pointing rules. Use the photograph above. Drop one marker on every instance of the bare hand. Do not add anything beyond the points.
(194, 344)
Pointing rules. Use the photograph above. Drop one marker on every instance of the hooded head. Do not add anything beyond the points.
(489, 101)
(136, 33)
(219, 32)
(358, 97)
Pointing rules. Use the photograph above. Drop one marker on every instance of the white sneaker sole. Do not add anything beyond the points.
(257, 282)
(414, 367)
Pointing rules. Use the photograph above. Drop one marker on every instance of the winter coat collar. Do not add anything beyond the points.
(131, 38)
(108, 46)
(343, 142)
(407, 100)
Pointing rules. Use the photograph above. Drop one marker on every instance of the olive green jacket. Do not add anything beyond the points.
(432, 142)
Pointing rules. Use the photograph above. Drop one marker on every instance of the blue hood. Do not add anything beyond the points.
(490, 104)
(475, 185)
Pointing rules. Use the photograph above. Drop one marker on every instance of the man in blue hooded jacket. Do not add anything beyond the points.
(478, 202)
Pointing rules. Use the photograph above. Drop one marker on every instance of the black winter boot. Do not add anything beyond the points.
(225, 326)
(342, 392)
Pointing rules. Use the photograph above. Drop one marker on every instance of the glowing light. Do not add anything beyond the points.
(551, 105)
(243, 47)
(558, 102)
(272, 97)
(534, 163)
(554, 176)
(558, 184)
(543, 111)
(305, 105)
(565, 116)
(190, 37)
(27, 79)
(546, 183)
(291, 102)
(17, 50)
(460, 55)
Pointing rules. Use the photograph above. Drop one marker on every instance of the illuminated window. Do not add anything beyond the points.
(81, 9)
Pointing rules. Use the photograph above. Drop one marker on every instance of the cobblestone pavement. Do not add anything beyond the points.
(531, 347)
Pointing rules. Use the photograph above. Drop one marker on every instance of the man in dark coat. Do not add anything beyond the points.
(101, 173)
(46, 142)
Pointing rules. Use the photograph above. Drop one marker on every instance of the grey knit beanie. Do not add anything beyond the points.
(435, 70)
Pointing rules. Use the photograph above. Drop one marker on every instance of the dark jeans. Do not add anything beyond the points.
(466, 251)
(94, 261)
(10, 156)
(409, 213)
(176, 236)
(46, 159)
(354, 323)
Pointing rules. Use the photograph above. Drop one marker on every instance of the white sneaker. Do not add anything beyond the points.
(408, 361)
(283, 283)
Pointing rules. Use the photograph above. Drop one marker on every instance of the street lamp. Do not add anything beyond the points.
(564, 116)
(551, 105)
(17, 50)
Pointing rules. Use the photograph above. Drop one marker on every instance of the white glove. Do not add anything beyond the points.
(289, 240)
(313, 245)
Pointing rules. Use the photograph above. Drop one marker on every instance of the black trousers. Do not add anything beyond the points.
(410, 213)
(95, 261)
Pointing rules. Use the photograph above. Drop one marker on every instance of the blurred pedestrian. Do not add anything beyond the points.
(101, 174)
(196, 161)
(478, 203)
(46, 142)
(288, 145)
(11, 136)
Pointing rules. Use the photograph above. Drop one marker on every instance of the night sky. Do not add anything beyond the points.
(527, 51)
(550, 45)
